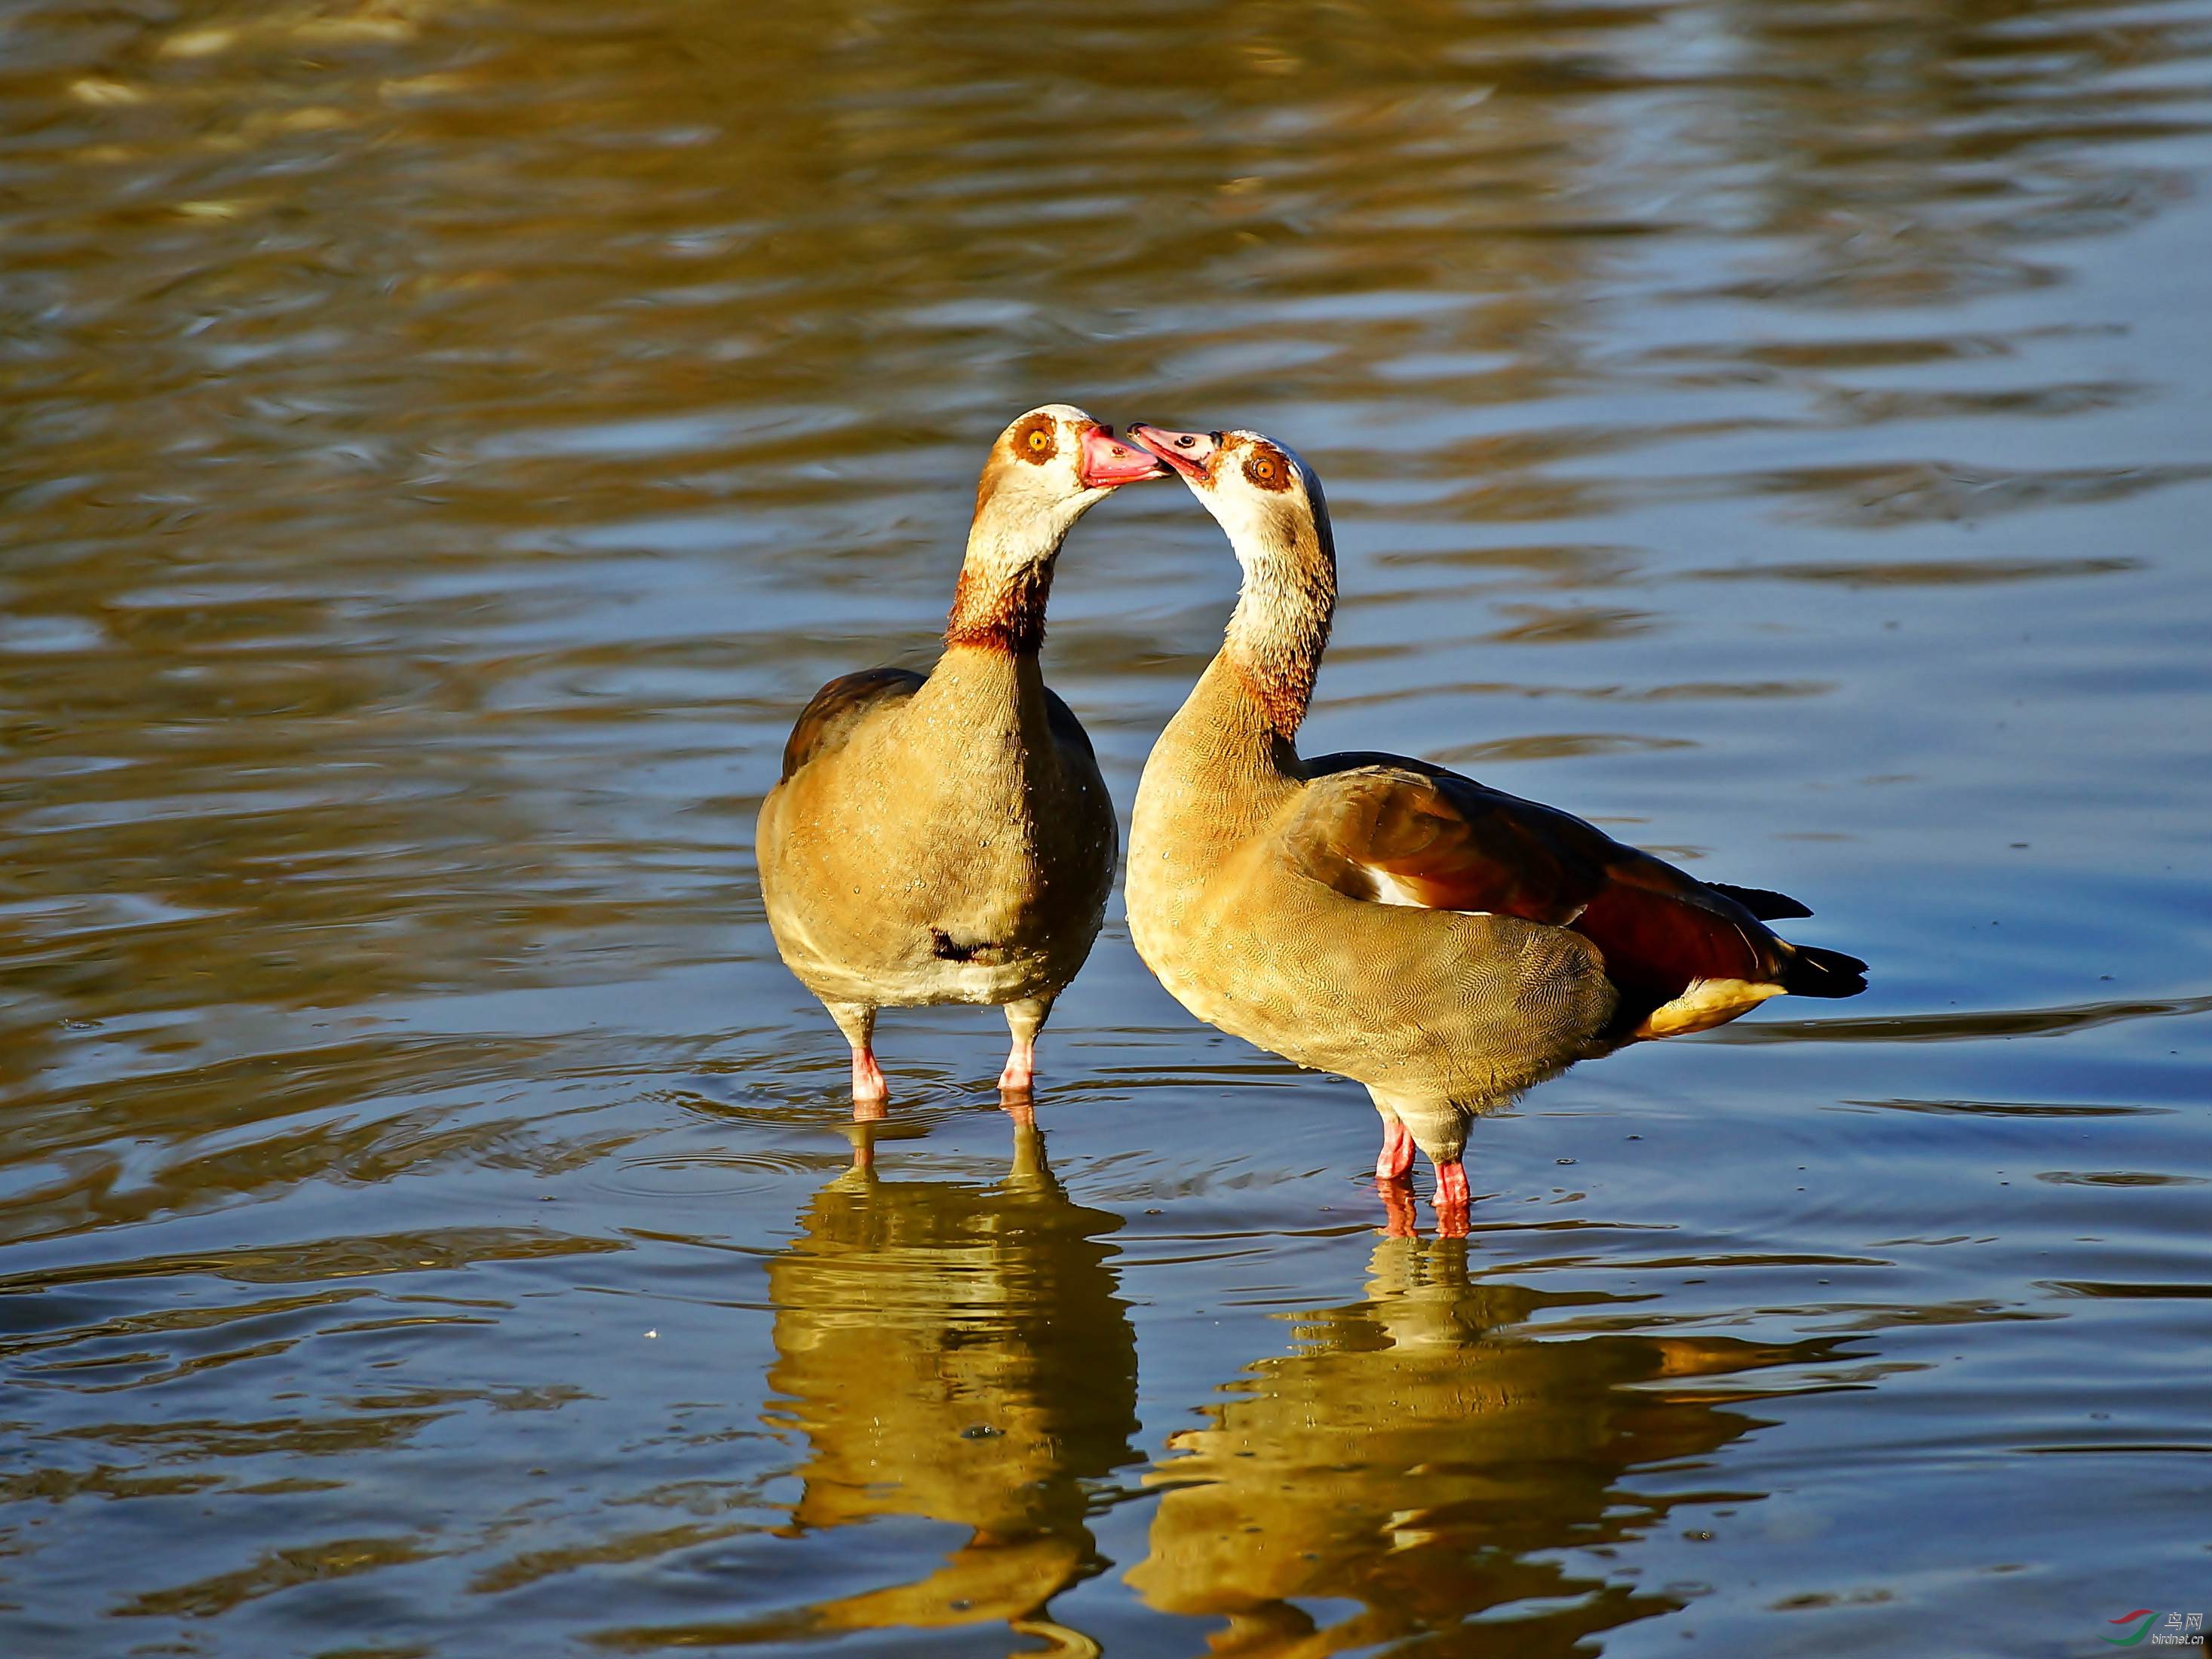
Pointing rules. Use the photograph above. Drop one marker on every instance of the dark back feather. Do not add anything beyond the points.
(829, 719)
(1066, 729)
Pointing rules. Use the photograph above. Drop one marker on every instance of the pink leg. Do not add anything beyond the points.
(868, 1085)
(1452, 1200)
(1397, 1154)
(1024, 1019)
(867, 1109)
(1020, 1075)
(857, 1020)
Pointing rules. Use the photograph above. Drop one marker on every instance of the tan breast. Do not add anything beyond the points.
(951, 849)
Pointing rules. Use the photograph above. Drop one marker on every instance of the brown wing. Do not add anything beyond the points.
(1067, 731)
(1376, 826)
(827, 720)
(1381, 827)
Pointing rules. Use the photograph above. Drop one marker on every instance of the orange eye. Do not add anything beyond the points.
(1039, 439)
(1265, 469)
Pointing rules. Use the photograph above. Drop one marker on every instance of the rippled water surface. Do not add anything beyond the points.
(443, 444)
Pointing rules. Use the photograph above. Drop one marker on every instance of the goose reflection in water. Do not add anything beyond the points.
(957, 1353)
(1423, 1456)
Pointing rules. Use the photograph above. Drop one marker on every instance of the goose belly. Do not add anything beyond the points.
(1426, 1004)
(945, 919)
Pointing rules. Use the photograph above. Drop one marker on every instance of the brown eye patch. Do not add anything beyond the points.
(1036, 439)
(1267, 469)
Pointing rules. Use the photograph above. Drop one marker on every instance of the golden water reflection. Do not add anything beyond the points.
(957, 1353)
(1421, 1455)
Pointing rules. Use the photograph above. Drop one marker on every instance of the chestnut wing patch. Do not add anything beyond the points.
(838, 707)
(1373, 826)
(1377, 826)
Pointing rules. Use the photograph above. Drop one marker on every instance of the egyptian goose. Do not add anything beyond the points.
(947, 837)
(1442, 943)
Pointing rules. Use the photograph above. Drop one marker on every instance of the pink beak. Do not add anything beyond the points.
(1186, 452)
(1107, 461)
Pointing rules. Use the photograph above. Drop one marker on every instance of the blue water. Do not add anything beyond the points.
(445, 445)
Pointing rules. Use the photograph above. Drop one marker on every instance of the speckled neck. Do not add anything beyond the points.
(1280, 628)
(1006, 579)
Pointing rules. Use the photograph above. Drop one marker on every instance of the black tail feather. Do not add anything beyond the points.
(1766, 906)
(1814, 972)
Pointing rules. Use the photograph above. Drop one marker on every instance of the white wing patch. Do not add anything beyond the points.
(1388, 889)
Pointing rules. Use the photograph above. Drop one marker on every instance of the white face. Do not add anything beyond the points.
(1260, 491)
(1058, 462)
(1039, 455)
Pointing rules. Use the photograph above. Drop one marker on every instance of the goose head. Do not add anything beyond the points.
(1263, 493)
(1055, 462)
(1047, 469)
